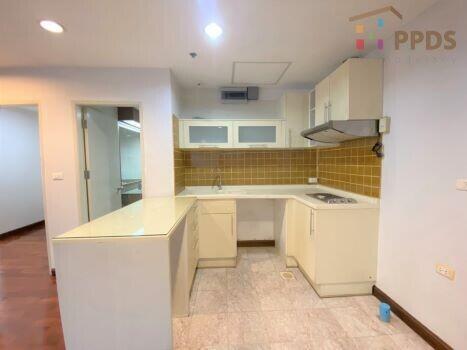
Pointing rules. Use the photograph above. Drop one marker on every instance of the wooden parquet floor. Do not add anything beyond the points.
(29, 312)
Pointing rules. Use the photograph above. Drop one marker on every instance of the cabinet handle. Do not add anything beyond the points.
(312, 223)
(290, 138)
(329, 112)
(258, 145)
(326, 112)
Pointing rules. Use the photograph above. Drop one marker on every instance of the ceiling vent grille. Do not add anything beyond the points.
(239, 94)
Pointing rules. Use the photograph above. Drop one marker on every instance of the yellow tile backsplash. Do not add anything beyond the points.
(249, 167)
(179, 167)
(351, 166)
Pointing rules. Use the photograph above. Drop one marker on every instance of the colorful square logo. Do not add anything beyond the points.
(360, 44)
(380, 44)
(380, 22)
(360, 29)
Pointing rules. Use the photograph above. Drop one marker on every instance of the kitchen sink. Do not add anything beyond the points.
(230, 192)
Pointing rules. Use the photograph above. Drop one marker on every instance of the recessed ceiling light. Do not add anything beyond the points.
(213, 30)
(51, 26)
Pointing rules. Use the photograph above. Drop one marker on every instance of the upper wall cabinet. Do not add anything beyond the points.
(352, 91)
(258, 134)
(295, 107)
(202, 133)
(231, 133)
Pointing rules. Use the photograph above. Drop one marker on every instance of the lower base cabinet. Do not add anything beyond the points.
(336, 249)
(306, 244)
(217, 233)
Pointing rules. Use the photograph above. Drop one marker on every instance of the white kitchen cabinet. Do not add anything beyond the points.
(322, 101)
(335, 249)
(258, 134)
(311, 109)
(305, 232)
(217, 233)
(206, 133)
(353, 91)
(295, 110)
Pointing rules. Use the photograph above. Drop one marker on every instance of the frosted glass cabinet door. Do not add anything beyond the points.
(258, 134)
(198, 134)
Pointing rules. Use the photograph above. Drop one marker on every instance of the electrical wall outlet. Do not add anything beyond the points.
(383, 125)
(57, 176)
(312, 180)
(446, 271)
(461, 184)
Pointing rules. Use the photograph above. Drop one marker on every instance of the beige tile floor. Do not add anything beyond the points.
(252, 307)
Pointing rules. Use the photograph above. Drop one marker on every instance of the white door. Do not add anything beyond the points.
(296, 108)
(322, 100)
(339, 93)
(102, 160)
(216, 236)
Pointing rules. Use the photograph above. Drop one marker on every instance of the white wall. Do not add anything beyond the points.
(423, 217)
(176, 96)
(56, 90)
(20, 166)
(206, 103)
(255, 219)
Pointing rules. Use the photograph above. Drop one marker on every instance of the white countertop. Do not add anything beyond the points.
(298, 192)
(147, 217)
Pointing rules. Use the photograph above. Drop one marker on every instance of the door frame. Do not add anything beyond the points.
(40, 121)
(78, 133)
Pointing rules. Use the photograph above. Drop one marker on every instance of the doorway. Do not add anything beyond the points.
(21, 185)
(110, 152)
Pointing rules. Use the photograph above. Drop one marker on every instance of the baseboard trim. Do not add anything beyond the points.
(221, 262)
(23, 230)
(257, 243)
(418, 327)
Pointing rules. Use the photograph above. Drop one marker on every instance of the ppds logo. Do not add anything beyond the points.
(432, 39)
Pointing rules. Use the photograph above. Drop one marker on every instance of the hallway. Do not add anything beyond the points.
(29, 313)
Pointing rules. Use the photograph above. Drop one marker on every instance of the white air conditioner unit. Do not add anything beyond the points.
(239, 94)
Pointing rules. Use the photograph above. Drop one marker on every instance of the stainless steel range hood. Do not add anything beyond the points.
(342, 130)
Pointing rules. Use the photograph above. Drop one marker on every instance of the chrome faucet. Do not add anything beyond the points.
(218, 182)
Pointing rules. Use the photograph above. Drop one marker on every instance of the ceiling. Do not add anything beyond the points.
(314, 35)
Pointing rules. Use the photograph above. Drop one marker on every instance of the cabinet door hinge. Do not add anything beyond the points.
(87, 174)
(84, 123)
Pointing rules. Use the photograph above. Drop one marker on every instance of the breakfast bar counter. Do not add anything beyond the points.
(121, 277)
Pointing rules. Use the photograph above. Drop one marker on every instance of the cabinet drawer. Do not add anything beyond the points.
(217, 206)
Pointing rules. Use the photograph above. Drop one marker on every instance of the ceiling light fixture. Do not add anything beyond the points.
(130, 125)
(51, 26)
(213, 30)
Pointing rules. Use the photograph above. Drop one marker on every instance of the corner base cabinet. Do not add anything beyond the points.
(217, 233)
(336, 249)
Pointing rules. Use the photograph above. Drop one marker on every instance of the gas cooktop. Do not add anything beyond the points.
(332, 198)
